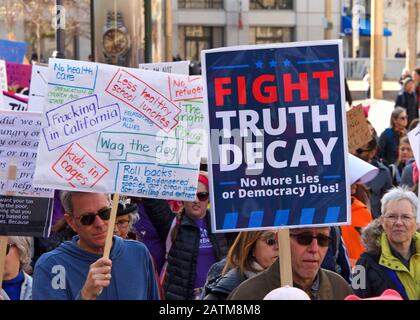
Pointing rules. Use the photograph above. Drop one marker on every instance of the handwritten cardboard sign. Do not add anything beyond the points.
(112, 129)
(357, 128)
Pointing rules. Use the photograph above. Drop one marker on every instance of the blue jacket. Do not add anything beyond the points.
(60, 274)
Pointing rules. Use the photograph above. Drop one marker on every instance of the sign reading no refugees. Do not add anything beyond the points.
(278, 135)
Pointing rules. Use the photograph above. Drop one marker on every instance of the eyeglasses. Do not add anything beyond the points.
(122, 223)
(270, 242)
(405, 218)
(203, 196)
(9, 245)
(403, 118)
(88, 218)
(306, 238)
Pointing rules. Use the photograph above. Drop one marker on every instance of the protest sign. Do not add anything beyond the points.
(3, 76)
(18, 75)
(14, 102)
(28, 210)
(357, 128)
(12, 51)
(39, 88)
(278, 135)
(180, 67)
(112, 129)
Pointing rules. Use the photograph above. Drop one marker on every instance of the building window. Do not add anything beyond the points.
(271, 4)
(260, 35)
(193, 39)
(200, 4)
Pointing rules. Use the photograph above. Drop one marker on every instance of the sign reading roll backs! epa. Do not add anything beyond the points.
(278, 135)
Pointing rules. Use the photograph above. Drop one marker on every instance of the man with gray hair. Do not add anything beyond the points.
(76, 270)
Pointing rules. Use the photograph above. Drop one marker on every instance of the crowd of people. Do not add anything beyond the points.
(167, 250)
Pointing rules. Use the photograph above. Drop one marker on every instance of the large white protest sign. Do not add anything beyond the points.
(112, 129)
(180, 67)
(28, 211)
(39, 88)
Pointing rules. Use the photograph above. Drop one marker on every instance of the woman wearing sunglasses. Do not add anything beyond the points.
(191, 247)
(17, 284)
(392, 260)
(251, 253)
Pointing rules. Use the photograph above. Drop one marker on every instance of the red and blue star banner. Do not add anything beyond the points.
(278, 140)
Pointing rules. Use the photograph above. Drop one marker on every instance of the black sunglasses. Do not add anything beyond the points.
(88, 218)
(203, 196)
(306, 238)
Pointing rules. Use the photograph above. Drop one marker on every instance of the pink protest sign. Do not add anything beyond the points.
(18, 75)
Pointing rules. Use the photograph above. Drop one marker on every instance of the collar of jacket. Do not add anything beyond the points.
(388, 260)
(324, 286)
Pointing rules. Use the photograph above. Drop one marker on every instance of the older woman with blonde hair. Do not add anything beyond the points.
(392, 260)
(251, 253)
(17, 283)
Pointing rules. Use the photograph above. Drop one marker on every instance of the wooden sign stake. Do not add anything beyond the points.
(285, 260)
(111, 224)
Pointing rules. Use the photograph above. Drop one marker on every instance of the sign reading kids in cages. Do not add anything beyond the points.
(112, 129)
(278, 135)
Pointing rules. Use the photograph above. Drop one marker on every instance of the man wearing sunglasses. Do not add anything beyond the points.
(76, 270)
(308, 248)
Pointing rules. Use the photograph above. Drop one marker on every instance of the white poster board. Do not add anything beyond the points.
(180, 67)
(39, 88)
(414, 137)
(112, 129)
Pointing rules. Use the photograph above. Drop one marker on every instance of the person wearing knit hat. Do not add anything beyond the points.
(191, 247)
(127, 216)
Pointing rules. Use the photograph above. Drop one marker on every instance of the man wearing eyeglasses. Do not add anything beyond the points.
(308, 248)
(76, 270)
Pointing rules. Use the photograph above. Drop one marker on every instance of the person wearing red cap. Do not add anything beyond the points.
(191, 247)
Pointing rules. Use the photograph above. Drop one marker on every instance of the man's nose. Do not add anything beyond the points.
(98, 221)
(313, 246)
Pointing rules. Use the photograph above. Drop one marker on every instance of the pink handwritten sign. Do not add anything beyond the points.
(18, 75)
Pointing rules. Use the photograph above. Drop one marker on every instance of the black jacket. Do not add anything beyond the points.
(182, 258)
(377, 278)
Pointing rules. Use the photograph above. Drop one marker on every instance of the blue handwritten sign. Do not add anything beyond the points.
(12, 51)
(77, 119)
(280, 156)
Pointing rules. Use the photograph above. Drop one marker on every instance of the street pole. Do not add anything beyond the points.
(376, 50)
(355, 24)
(60, 17)
(328, 26)
(147, 31)
(410, 61)
(168, 31)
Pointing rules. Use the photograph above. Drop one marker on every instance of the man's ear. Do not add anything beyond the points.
(70, 221)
